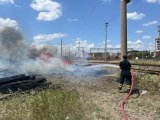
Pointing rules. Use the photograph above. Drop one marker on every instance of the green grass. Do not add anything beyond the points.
(148, 82)
(93, 112)
(45, 105)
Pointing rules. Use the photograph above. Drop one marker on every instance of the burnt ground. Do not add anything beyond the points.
(101, 98)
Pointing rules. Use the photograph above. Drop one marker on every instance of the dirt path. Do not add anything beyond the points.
(145, 107)
(103, 93)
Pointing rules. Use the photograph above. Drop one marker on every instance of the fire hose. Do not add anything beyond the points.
(125, 99)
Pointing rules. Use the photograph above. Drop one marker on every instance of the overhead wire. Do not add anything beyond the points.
(118, 15)
(84, 21)
(95, 6)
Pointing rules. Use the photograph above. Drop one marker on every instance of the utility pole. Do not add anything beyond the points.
(79, 48)
(124, 27)
(69, 54)
(83, 51)
(61, 49)
(106, 25)
(56, 52)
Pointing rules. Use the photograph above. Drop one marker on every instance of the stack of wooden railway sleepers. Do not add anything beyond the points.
(21, 82)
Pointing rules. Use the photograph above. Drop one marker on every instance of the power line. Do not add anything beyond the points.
(92, 10)
(97, 3)
(136, 2)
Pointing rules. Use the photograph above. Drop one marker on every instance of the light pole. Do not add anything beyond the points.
(61, 49)
(69, 54)
(106, 25)
(124, 27)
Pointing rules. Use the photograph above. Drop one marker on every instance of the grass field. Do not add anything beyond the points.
(69, 104)
(142, 62)
(149, 62)
(148, 82)
(45, 105)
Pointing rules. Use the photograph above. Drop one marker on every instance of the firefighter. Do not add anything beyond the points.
(125, 67)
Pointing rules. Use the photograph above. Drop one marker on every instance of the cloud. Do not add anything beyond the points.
(151, 46)
(154, 22)
(8, 23)
(130, 3)
(135, 16)
(82, 43)
(6, 1)
(146, 37)
(72, 19)
(139, 31)
(39, 41)
(48, 37)
(49, 10)
(153, 1)
(138, 44)
(108, 44)
(118, 46)
(106, 1)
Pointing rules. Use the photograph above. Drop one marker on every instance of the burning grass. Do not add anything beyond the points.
(45, 105)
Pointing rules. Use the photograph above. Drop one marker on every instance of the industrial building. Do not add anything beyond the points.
(157, 44)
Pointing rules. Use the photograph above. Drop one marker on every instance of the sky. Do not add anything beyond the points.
(48, 21)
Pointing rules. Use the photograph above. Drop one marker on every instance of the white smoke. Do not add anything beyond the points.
(44, 67)
(19, 57)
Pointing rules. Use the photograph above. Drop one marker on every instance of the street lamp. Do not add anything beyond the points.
(106, 25)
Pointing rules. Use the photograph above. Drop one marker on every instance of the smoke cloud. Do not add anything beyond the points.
(19, 57)
(12, 46)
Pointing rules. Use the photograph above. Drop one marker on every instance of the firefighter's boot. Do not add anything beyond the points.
(120, 86)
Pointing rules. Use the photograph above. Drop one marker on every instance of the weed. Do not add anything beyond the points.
(44, 105)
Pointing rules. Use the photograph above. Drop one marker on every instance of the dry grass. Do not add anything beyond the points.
(148, 82)
(142, 62)
(150, 62)
(44, 105)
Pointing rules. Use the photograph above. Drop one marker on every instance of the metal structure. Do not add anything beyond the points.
(80, 50)
(61, 49)
(108, 49)
(124, 27)
(106, 25)
(112, 53)
(157, 43)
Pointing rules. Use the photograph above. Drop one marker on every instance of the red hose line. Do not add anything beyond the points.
(125, 99)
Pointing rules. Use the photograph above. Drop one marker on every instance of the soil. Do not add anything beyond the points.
(103, 92)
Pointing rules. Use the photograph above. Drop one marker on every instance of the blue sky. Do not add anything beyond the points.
(47, 21)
